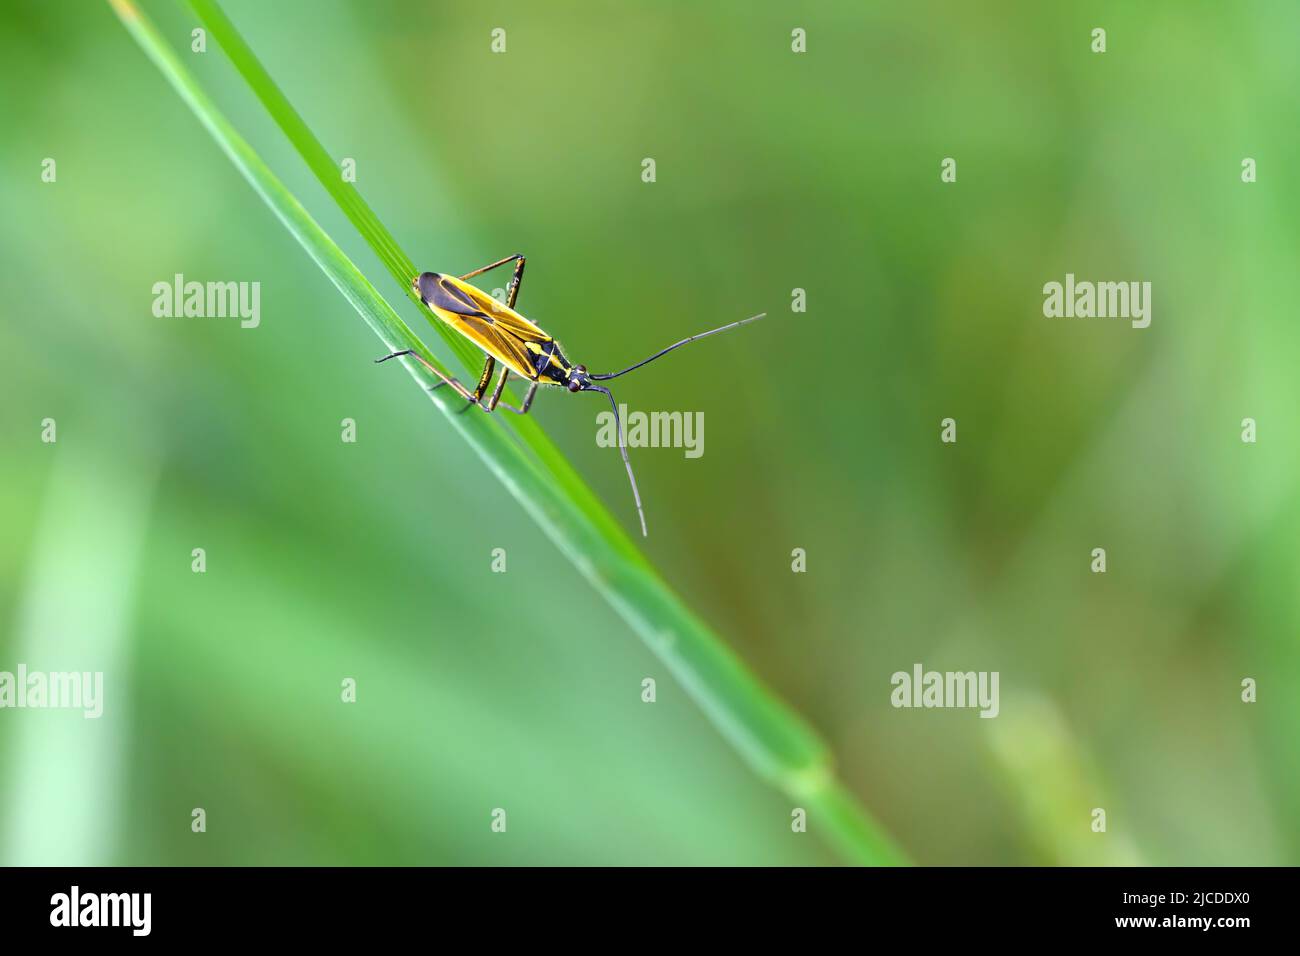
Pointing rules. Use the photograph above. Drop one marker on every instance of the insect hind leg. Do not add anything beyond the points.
(512, 292)
(474, 397)
(460, 389)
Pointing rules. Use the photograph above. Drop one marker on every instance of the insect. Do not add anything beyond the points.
(520, 346)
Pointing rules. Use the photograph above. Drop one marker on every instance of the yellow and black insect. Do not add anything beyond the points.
(520, 346)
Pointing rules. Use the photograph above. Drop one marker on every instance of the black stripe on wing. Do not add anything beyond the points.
(505, 345)
(451, 299)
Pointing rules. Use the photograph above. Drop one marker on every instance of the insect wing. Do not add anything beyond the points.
(501, 315)
(499, 331)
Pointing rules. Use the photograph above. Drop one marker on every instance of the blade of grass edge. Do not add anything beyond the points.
(774, 740)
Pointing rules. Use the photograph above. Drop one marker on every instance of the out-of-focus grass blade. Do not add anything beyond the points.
(63, 772)
(773, 739)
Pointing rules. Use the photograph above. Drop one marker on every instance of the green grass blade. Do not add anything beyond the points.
(772, 738)
(398, 263)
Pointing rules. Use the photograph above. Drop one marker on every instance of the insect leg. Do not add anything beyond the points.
(493, 402)
(474, 397)
(512, 292)
(496, 392)
(528, 399)
(482, 385)
(461, 390)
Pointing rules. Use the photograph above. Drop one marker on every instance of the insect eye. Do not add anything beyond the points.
(580, 368)
(575, 385)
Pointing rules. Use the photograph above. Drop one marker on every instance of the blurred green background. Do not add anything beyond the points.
(775, 171)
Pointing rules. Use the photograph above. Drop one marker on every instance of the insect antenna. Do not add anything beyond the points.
(676, 345)
(618, 428)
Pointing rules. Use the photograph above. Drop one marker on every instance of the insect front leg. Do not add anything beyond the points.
(512, 292)
(528, 399)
